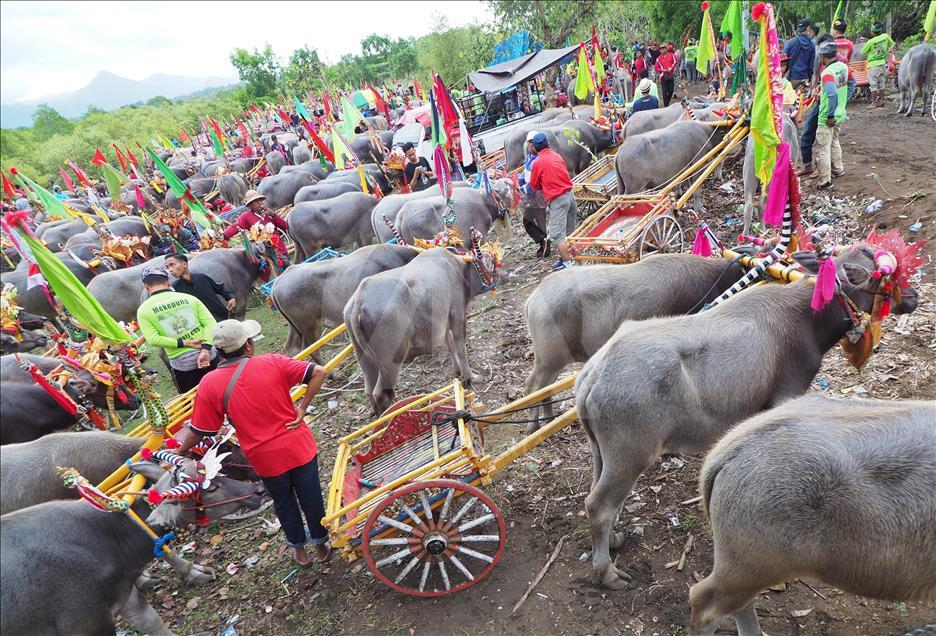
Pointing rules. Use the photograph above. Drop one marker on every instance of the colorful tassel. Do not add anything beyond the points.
(825, 285)
(172, 443)
(146, 454)
(701, 245)
(154, 497)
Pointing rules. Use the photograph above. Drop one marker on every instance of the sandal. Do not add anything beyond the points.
(328, 554)
(813, 175)
(300, 563)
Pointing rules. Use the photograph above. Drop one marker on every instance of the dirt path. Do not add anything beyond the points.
(541, 495)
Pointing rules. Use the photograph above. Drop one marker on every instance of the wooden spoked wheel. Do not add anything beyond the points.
(587, 207)
(434, 538)
(663, 236)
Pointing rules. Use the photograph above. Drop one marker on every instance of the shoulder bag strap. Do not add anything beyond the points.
(230, 387)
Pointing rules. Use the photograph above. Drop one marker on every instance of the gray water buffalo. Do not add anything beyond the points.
(574, 99)
(572, 313)
(244, 165)
(652, 159)
(274, 161)
(422, 218)
(27, 470)
(311, 295)
(321, 191)
(373, 172)
(312, 167)
(647, 120)
(233, 188)
(120, 292)
(378, 122)
(389, 206)
(301, 154)
(104, 554)
(125, 226)
(34, 299)
(12, 371)
(57, 234)
(363, 146)
(29, 412)
(836, 490)
(211, 168)
(915, 77)
(566, 138)
(25, 340)
(281, 189)
(670, 385)
(200, 187)
(331, 223)
(752, 202)
(397, 315)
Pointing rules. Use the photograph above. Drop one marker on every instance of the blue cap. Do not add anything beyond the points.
(539, 139)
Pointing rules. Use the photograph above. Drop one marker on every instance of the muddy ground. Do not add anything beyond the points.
(541, 495)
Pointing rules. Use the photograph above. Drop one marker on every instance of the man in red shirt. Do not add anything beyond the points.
(845, 46)
(254, 394)
(666, 67)
(551, 175)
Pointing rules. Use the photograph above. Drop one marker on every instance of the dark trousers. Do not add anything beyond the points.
(188, 380)
(297, 489)
(809, 134)
(669, 87)
(534, 222)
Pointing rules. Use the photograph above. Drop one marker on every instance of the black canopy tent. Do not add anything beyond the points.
(496, 104)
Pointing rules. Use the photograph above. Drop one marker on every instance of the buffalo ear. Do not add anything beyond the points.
(856, 274)
(152, 472)
(807, 260)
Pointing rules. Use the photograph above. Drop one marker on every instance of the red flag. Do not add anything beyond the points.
(444, 103)
(283, 115)
(99, 159)
(594, 40)
(325, 150)
(255, 108)
(8, 187)
(67, 180)
(133, 160)
(120, 158)
(216, 127)
(417, 89)
(183, 135)
(328, 114)
(141, 200)
(79, 174)
(243, 130)
(382, 106)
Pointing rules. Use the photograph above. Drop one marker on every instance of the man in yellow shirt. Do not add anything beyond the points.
(876, 51)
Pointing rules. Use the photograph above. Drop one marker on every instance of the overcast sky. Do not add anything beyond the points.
(56, 47)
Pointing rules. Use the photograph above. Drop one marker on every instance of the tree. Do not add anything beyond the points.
(47, 122)
(552, 22)
(158, 101)
(303, 73)
(453, 53)
(259, 70)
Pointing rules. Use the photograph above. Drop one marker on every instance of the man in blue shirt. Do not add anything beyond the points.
(801, 52)
(646, 100)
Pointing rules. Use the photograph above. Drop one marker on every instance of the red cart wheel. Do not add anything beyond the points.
(433, 538)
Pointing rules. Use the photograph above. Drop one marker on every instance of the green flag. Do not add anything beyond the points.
(839, 11)
(583, 79)
(198, 211)
(706, 52)
(350, 118)
(599, 67)
(340, 149)
(763, 129)
(930, 21)
(76, 298)
(732, 24)
(301, 110)
(52, 205)
(113, 179)
(216, 143)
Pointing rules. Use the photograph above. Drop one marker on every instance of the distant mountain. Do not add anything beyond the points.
(110, 91)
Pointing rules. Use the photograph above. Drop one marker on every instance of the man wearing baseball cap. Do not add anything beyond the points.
(178, 323)
(876, 51)
(551, 175)
(801, 53)
(253, 393)
(646, 101)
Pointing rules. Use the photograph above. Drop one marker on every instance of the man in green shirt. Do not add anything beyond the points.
(181, 325)
(876, 51)
(833, 95)
(689, 61)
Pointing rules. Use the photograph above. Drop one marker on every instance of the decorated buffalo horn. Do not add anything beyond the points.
(885, 262)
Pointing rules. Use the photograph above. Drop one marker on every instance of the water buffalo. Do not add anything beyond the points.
(25, 340)
(126, 226)
(574, 99)
(422, 218)
(34, 299)
(244, 164)
(12, 371)
(312, 167)
(275, 161)
(310, 295)
(281, 189)
(103, 553)
(233, 188)
(647, 120)
(390, 205)
(397, 315)
(752, 202)
(200, 187)
(378, 122)
(331, 223)
(914, 77)
(567, 138)
(301, 154)
(57, 233)
(322, 191)
(572, 313)
(29, 412)
(211, 168)
(835, 490)
(363, 146)
(669, 385)
(373, 171)
(652, 159)
(120, 292)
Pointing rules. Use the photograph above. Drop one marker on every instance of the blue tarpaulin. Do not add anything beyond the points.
(516, 45)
